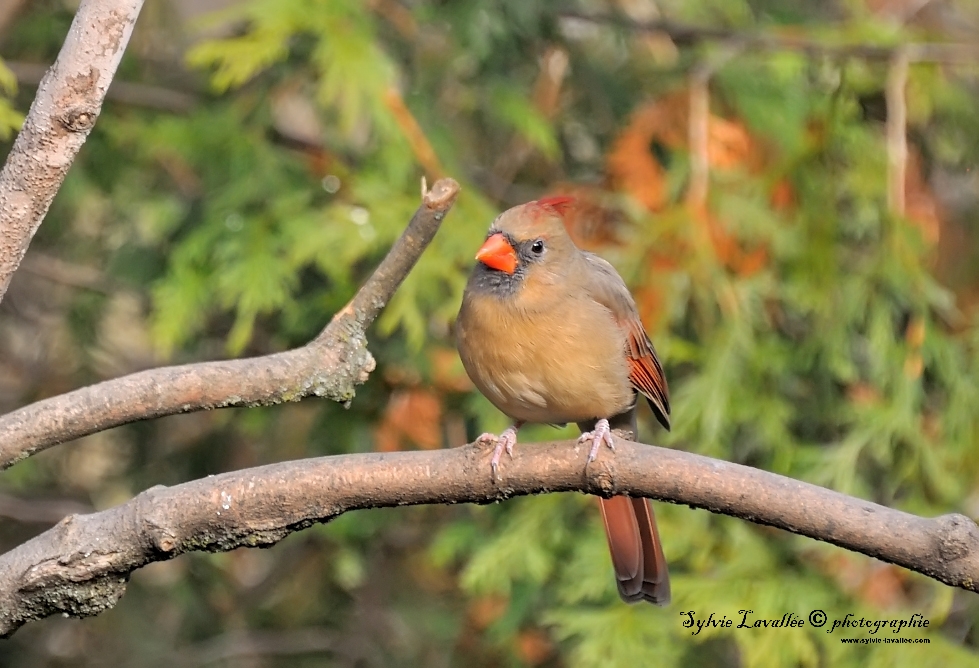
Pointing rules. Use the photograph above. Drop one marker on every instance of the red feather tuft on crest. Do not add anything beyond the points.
(558, 203)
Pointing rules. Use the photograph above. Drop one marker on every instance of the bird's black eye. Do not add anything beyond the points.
(538, 247)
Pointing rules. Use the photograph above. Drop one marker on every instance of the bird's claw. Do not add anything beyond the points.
(602, 433)
(504, 441)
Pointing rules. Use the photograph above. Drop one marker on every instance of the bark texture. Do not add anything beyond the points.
(81, 566)
(69, 100)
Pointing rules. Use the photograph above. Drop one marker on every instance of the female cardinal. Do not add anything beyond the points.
(550, 334)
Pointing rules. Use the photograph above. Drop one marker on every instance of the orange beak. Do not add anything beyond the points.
(497, 253)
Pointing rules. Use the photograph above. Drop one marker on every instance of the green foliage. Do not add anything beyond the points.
(10, 118)
(352, 72)
(516, 110)
(846, 355)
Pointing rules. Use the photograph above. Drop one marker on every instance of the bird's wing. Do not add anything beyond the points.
(645, 372)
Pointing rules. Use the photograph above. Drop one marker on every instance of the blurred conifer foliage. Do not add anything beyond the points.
(233, 202)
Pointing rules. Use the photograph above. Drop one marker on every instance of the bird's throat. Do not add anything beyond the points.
(487, 281)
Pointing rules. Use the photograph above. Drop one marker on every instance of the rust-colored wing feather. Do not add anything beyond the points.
(645, 371)
(607, 287)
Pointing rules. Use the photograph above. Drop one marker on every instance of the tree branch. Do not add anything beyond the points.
(685, 34)
(126, 92)
(897, 133)
(239, 645)
(329, 366)
(698, 136)
(39, 510)
(68, 102)
(81, 566)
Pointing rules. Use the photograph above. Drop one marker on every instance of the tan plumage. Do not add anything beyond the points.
(550, 334)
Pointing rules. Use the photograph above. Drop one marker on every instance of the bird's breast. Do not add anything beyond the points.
(564, 363)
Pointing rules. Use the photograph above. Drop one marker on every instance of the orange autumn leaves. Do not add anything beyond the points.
(415, 416)
(635, 169)
(412, 416)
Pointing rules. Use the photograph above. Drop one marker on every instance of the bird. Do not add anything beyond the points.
(550, 334)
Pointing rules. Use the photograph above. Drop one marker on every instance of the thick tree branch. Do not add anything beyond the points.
(81, 566)
(329, 366)
(68, 102)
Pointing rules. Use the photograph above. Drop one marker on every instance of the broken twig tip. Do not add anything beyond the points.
(442, 194)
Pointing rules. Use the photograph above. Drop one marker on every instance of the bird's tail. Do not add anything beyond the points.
(637, 553)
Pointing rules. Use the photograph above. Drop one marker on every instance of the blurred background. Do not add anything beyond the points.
(788, 187)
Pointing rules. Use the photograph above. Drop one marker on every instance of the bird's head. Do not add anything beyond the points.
(526, 240)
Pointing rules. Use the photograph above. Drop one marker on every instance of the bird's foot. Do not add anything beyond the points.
(602, 433)
(504, 441)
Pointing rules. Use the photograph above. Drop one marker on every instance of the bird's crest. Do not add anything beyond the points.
(559, 204)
